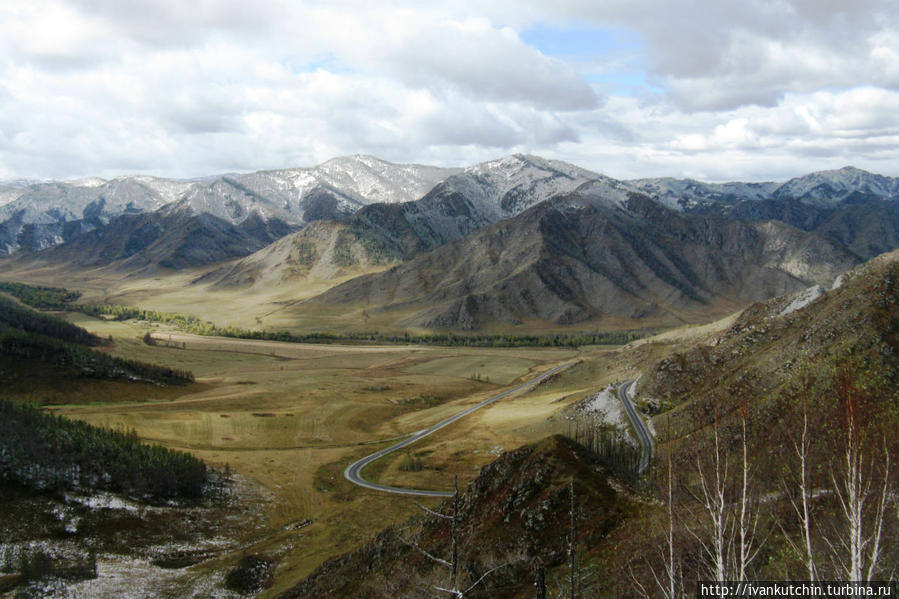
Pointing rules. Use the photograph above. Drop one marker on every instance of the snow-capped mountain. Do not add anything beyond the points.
(41, 215)
(824, 188)
(383, 200)
(334, 189)
(470, 200)
(53, 202)
(682, 194)
(834, 186)
(11, 189)
(511, 185)
(389, 233)
(46, 214)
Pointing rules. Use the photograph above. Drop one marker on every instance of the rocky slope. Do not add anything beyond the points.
(480, 195)
(773, 344)
(321, 251)
(595, 256)
(867, 226)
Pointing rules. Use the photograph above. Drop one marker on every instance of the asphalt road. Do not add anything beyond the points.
(353, 472)
(642, 433)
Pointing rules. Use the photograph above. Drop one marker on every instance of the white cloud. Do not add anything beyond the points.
(739, 90)
(477, 59)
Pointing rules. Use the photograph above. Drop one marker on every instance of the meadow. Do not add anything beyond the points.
(291, 416)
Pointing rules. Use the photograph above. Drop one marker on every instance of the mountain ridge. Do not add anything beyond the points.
(584, 256)
(49, 213)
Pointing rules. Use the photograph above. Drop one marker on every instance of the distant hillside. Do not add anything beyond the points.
(867, 226)
(855, 208)
(321, 251)
(595, 256)
(171, 237)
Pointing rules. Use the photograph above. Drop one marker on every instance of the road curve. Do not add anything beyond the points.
(642, 433)
(353, 472)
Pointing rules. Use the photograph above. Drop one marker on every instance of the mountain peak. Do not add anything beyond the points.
(834, 186)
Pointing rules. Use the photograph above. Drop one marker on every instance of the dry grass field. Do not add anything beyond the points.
(292, 416)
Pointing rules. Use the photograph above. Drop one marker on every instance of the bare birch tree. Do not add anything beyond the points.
(730, 545)
(673, 574)
(802, 449)
(747, 524)
(670, 582)
(711, 498)
(862, 500)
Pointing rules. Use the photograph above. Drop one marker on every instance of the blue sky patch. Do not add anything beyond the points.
(581, 41)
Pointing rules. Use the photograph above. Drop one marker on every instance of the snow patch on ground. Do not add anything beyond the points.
(123, 578)
(604, 404)
(803, 299)
(651, 427)
(106, 501)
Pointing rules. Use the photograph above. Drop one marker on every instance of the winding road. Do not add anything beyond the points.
(642, 433)
(353, 472)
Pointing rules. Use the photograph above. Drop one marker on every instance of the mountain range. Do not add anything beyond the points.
(588, 256)
(512, 241)
(39, 215)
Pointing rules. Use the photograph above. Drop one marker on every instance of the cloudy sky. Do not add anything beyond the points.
(711, 89)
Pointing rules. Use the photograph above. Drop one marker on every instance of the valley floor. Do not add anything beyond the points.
(290, 417)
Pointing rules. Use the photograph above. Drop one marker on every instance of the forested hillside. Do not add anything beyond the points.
(48, 452)
(32, 335)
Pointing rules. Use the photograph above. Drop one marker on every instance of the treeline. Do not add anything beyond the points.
(48, 452)
(187, 323)
(14, 316)
(27, 333)
(14, 342)
(43, 298)
(62, 299)
(192, 324)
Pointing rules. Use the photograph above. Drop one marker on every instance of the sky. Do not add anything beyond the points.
(710, 89)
